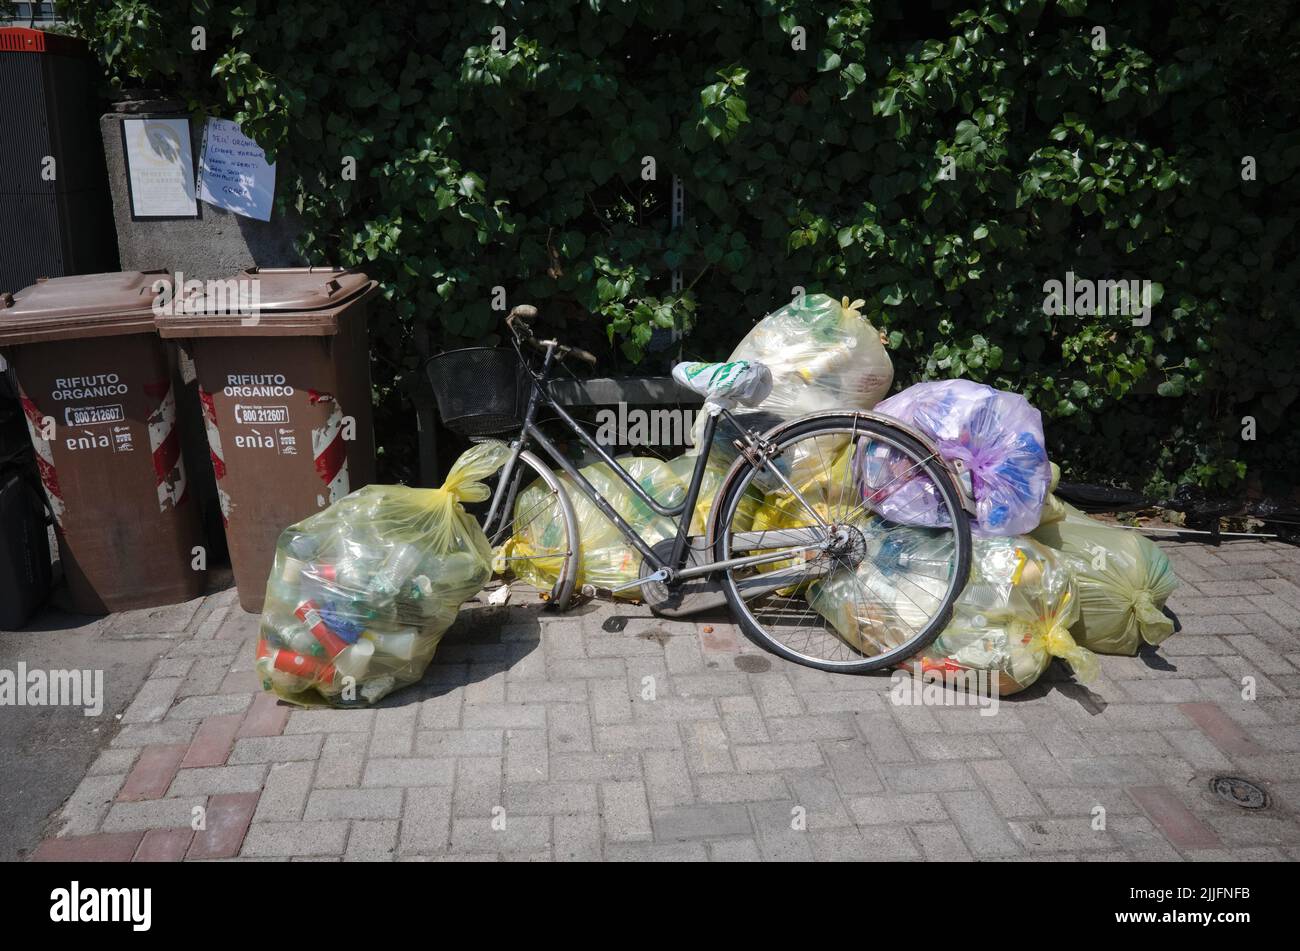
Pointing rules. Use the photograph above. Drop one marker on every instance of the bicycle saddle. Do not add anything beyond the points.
(739, 382)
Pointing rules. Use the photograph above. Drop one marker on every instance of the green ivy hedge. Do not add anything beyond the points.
(945, 162)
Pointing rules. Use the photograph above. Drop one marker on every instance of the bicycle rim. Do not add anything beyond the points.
(537, 543)
(886, 588)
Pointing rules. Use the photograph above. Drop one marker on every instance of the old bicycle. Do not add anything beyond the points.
(793, 542)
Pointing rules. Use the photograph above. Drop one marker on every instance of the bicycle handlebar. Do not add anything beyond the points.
(518, 321)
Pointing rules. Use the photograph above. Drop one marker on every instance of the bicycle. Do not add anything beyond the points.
(793, 542)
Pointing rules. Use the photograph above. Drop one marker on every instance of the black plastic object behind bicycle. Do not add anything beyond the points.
(479, 390)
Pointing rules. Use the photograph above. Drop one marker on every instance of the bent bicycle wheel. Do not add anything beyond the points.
(879, 545)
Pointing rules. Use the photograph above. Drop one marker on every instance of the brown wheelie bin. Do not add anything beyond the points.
(97, 389)
(283, 363)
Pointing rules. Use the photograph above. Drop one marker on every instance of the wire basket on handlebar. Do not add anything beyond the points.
(479, 390)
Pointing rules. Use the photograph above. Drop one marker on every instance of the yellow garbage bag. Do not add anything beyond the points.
(1124, 580)
(605, 559)
(1013, 617)
(361, 593)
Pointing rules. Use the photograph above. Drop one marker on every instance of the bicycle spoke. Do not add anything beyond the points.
(879, 609)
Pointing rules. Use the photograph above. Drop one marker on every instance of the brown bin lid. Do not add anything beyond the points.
(298, 301)
(85, 305)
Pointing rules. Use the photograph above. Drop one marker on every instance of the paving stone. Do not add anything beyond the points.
(153, 814)
(941, 842)
(226, 821)
(408, 772)
(667, 778)
(103, 847)
(394, 731)
(1220, 729)
(213, 705)
(551, 798)
(153, 701)
(1009, 794)
(330, 722)
(656, 852)
(265, 716)
(153, 773)
(569, 726)
(852, 765)
(527, 756)
(167, 733)
(212, 741)
(1178, 824)
(441, 743)
(163, 845)
(88, 804)
(277, 749)
(625, 810)
(372, 840)
(624, 764)
(827, 726)
(983, 828)
(478, 787)
(1060, 835)
(643, 735)
(820, 799)
(354, 804)
(735, 850)
(266, 839)
(342, 760)
(169, 620)
(931, 777)
(578, 837)
(778, 839)
(206, 781)
(511, 834)
(284, 794)
(113, 762)
(426, 820)
(707, 748)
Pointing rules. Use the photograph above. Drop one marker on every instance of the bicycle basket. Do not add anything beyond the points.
(479, 390)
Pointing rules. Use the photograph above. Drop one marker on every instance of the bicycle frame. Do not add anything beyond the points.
(504, 497)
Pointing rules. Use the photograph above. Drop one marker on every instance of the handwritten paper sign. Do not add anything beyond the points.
(234, 173)
(159, 167)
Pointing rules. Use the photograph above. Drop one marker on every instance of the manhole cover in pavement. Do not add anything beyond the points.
(1239, 792)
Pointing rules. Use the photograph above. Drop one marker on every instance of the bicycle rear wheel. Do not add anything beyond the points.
(880, 545)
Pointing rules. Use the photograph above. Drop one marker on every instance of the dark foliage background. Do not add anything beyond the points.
(503, 144)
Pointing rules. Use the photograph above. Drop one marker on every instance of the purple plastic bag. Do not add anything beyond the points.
(997, 436)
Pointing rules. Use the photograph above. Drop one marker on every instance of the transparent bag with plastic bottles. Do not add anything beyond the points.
(361, 593)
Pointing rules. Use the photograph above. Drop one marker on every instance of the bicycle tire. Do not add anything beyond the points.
(865, 425)
(561, 591)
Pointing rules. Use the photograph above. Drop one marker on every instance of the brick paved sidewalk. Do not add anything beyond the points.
(542, 723)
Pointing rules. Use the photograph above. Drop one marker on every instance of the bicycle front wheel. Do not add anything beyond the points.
(879, 543)
(535, 537)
